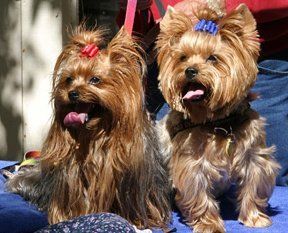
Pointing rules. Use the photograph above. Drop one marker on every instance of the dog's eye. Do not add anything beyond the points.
(212, 58)
(94, 80)
(69, 80)
(183, 57)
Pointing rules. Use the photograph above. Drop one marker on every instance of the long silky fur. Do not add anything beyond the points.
(203, 162)
(112, 165)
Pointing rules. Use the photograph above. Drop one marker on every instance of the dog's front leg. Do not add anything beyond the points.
(256, 182)
(192, 180)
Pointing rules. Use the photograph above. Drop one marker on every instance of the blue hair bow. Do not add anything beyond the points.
(207, 26)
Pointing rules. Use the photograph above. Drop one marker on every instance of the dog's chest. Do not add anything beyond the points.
(214, 151)
(211, 144)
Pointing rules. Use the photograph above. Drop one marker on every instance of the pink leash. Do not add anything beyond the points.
(130, 15)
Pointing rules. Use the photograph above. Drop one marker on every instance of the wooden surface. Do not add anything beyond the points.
(32, 33)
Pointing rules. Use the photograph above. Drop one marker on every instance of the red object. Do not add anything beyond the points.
(271, 17)
(158, 4)
(272, 22)
(90, 50)
(35, 154)
(143, 21)
(130, 15)
(263, 10)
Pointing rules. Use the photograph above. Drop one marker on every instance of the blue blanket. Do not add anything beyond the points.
(16, 215)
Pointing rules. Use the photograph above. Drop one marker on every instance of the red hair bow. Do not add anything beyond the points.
(90, 50)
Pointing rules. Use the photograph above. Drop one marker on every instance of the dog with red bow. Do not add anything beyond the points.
(101, 153)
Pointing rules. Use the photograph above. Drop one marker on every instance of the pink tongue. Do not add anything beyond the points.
(193, 95)
(75, 119)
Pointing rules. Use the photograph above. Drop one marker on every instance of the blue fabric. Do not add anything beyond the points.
(277, 210)
(92, 223)
(272, 85)
(16, 215)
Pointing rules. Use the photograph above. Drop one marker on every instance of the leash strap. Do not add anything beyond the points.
(160, 7)
(130, 15)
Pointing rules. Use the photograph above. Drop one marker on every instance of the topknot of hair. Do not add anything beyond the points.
(207, 14)
(82, 37)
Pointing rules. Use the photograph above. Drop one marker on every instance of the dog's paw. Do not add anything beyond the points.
(255, 219)
(209, 228)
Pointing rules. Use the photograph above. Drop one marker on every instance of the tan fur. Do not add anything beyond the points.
(205, 159)
(111, 163)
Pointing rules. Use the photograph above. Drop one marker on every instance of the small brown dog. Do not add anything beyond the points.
(101, 153)
(213, 136)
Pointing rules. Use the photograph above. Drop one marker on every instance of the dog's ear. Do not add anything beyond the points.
(120, 46)
(173, 25)
(239, 27)
(168, 17)
(124, 50)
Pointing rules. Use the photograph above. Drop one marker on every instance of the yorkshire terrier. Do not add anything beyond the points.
(213, 136)
(101, 153)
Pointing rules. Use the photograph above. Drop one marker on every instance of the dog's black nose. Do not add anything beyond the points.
(191, 73)
(73, 95)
